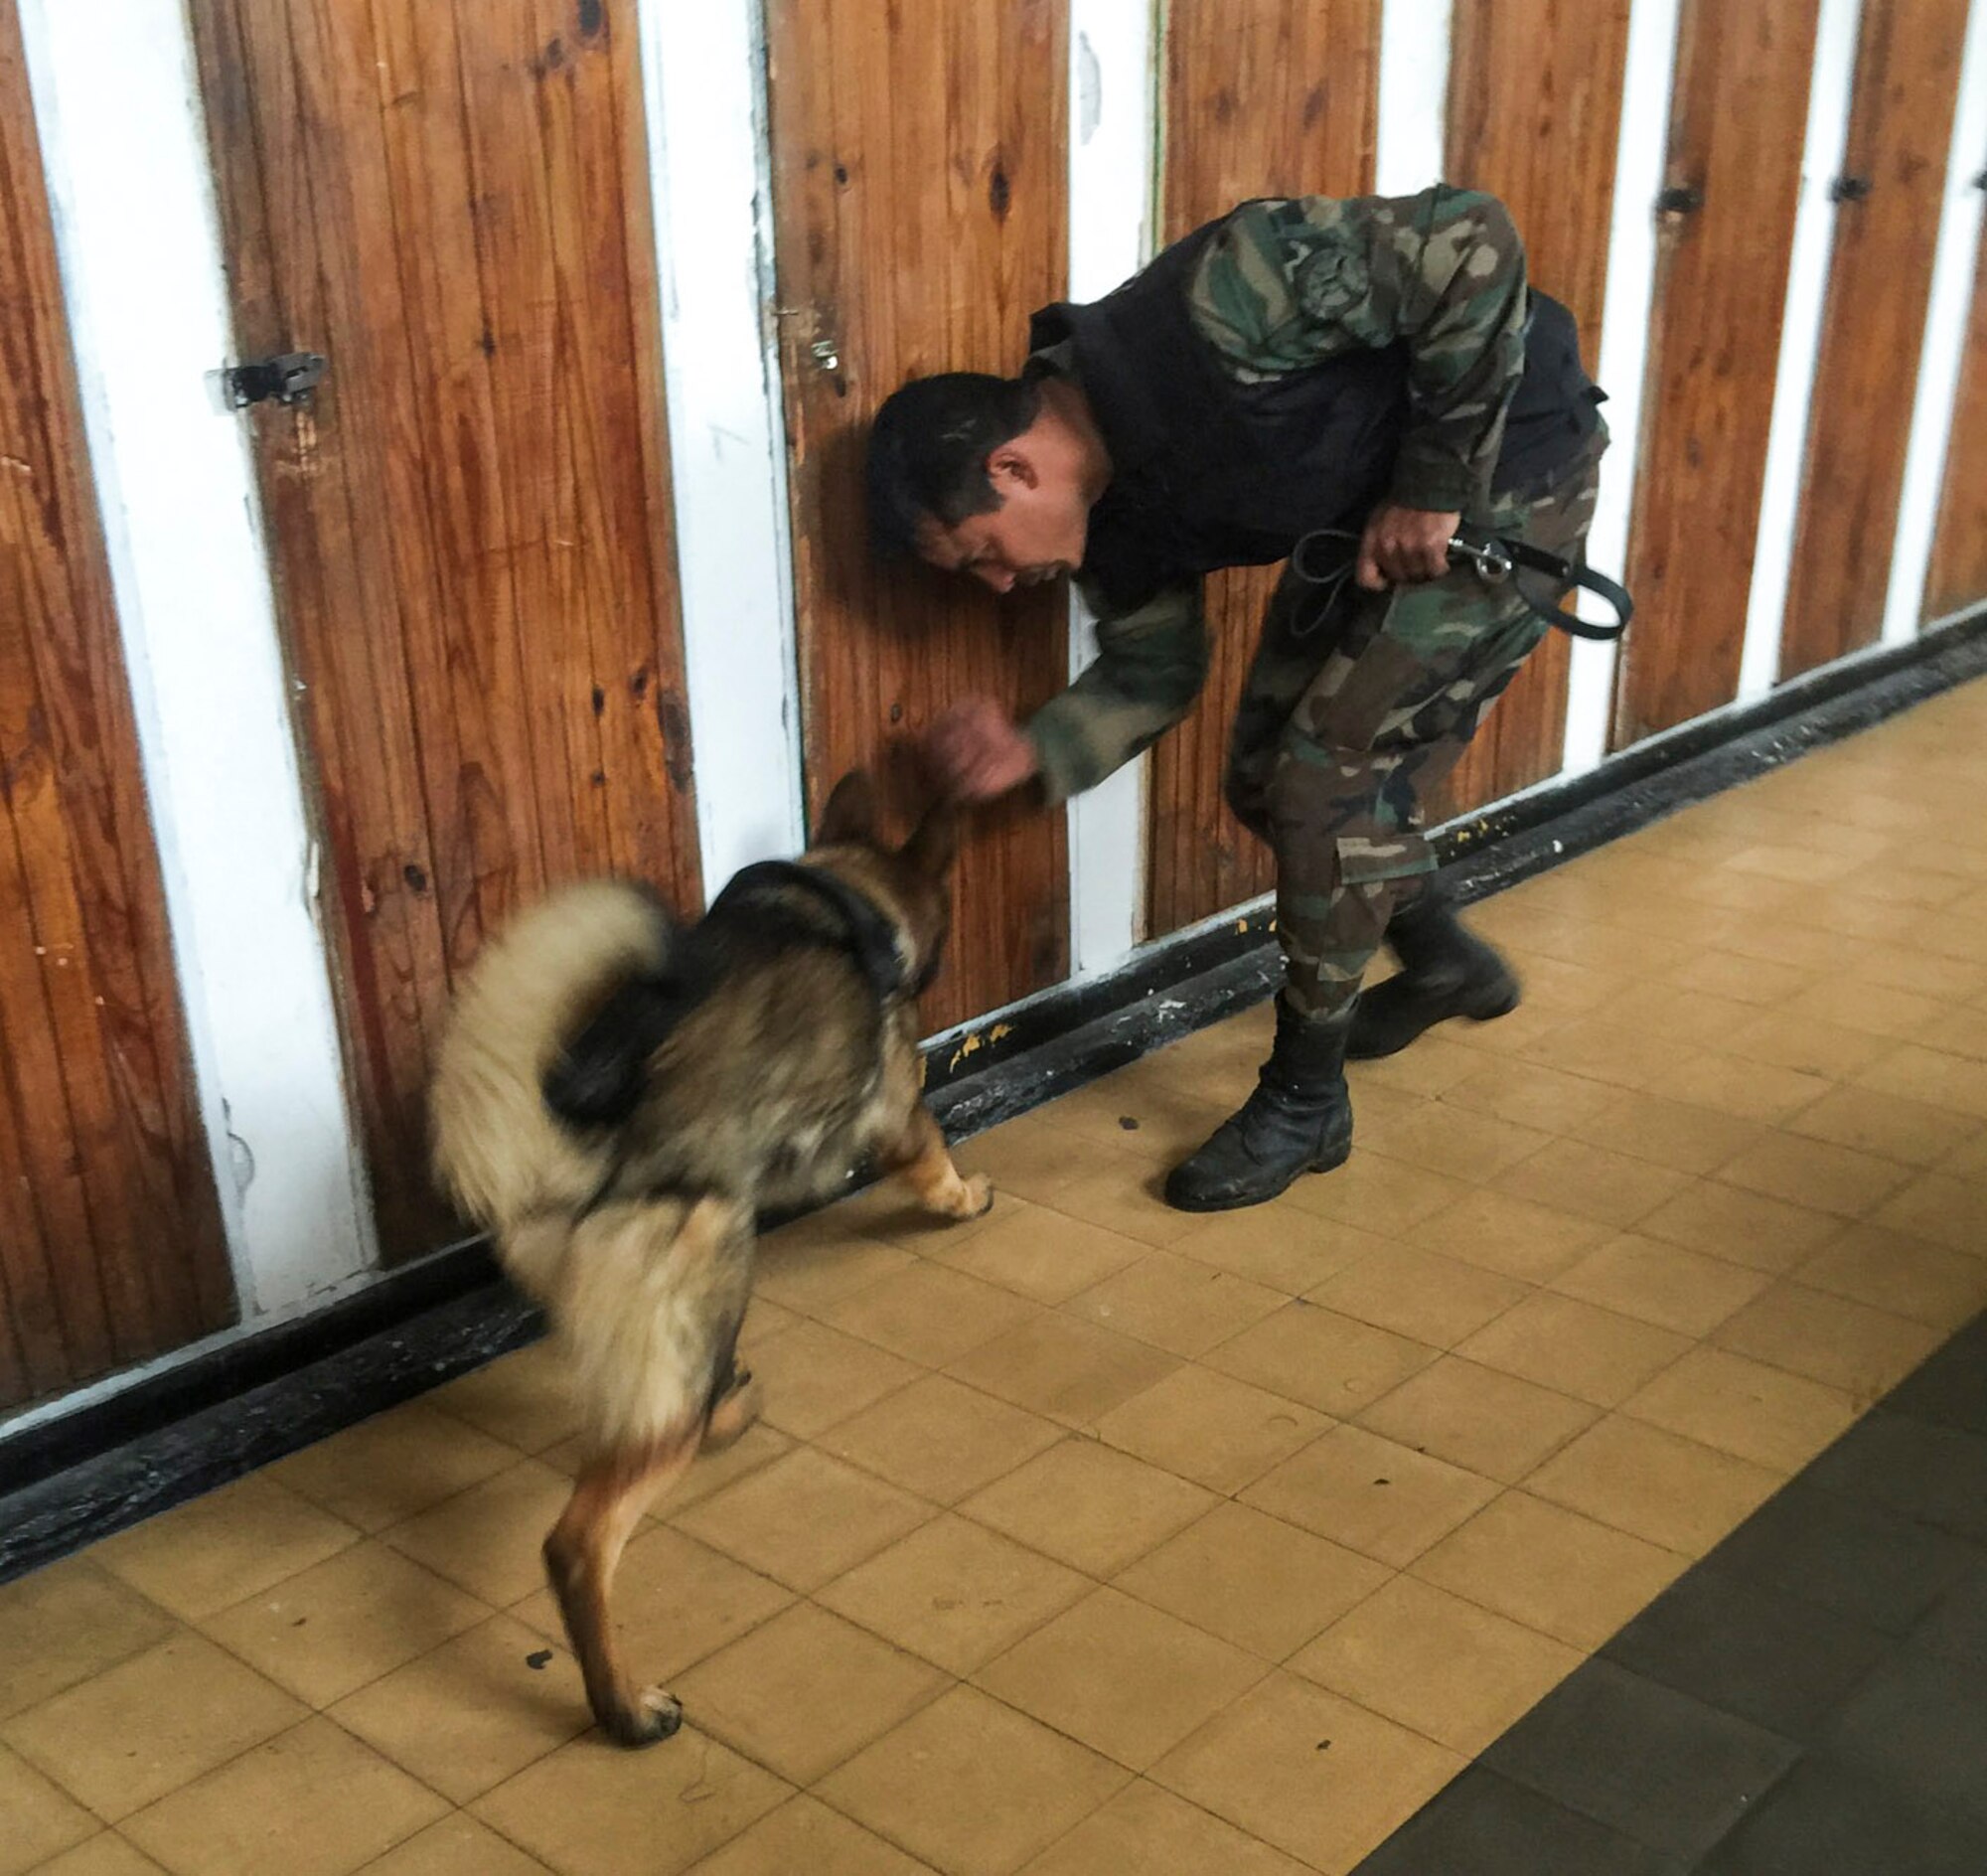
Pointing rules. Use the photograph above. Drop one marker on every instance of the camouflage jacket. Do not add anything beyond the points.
(1283, 285)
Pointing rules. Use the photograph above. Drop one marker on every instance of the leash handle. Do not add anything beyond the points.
(1495, 559)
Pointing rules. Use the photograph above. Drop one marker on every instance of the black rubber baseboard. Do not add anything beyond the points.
(223, 1412)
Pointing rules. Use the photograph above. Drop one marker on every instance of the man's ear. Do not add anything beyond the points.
(851, 814)
(935, 842)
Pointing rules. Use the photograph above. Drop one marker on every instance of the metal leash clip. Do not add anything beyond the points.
(1492, 565)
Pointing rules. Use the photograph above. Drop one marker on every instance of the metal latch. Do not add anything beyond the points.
(288, 377)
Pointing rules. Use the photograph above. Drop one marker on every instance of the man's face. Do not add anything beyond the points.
(1036, 534)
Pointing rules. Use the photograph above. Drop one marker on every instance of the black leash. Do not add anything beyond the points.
(1495, 559)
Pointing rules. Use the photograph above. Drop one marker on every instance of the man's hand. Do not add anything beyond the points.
(975, 751)
(1404, 545)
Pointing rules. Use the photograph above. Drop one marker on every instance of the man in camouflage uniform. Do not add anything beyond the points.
(1339, 383)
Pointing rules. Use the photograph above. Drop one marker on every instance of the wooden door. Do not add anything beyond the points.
(1534, 118)
(1880, 278)
(1743, 77)
(470, 517)
(110, 1242)
(1263, 98)
(918, 164)
(1957, 578)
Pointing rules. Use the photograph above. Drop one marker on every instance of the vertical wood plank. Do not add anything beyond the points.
(1957, 578)
(1263, 98)
(1880, 278)
(918, 157)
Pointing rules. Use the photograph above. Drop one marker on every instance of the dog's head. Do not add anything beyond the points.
(911, 883)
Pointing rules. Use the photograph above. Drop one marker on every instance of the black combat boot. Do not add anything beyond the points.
(1299, 1120)
(1444, 972)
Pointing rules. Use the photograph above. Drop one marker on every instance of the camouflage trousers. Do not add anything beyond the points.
(1357, 707)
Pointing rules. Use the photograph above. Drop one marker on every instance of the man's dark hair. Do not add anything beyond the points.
(929, 447)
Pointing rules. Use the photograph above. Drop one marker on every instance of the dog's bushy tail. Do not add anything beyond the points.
(499, 1150)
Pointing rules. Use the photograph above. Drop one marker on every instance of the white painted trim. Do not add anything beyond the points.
(1948, 312)
(703, 79)
(139, 236)
(1641, 155)
(1113, 219)
(1411, 145)
(1827, 137)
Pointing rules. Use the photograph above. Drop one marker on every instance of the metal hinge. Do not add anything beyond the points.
(1850, 188)
(1683, 199)
(288, 377)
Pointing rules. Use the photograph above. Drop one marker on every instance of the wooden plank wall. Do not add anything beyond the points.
(1907, 87)
(1740, 109)
(1958, 574)
(471, 520)
(110, 1242)
(1262, 97)
(921, 201)
(1534, 115)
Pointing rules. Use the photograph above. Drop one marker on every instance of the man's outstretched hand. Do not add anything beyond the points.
(975, 753)
(1401, 546)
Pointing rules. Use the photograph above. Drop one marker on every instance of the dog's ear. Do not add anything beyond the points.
(851, 814)
(934, 844)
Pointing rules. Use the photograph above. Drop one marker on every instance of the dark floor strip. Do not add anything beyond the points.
(1808, 1700)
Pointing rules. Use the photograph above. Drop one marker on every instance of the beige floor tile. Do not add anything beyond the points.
(393, 1465)
(1427, 1659)
(1561, 1342)
(42, 1821)
(955, 1593)
(1854, 1003)
(1253, 1580)
(972, 1787)
(1815, 1173)
(758, 1445)
(1956, 1028)
(1370, 1495)
(1176, 1302)
(1165, 1115)
(1722, 973)
(1121, 1192)
(1147, 1831)
(805, 1692)
(474, 1712)
(1550, 1569)
(804, 1518)
(1266, 1765)
(1677, 1134)
(64, 1623)
(590, 1811)
(219, 1548)
(1662, 1283)
(487, 1540)
(1030, 1157)
(888, 1213)
(105, 1854)
(145, 1727)
(1278, 1245)
(313, 1800)
(1888, 1124)
(812, 1277)
(1805, 1045)
(329, 1629)
(1968, 1162)
(1762, 1413)
(1068, 1371)
(1510, 1236)
(1944, 1208)
(1750, 1228)
(1376, 1194)
(1890, 1269)
(1529, 1094)
(1607, 1048)
(1863, 1351)
(1320, 1358)
(523, 1399)
(1654, 1485)
(674, 1602)
(1756, 1091)
(1919, 1073)
(1089, 1505)
(1041, 1254)
(1453, 1140)
(805, 1839)
(1479, 1418)
(457, 1845)
(815, 1377)
(1431, 1068)
(929, 1314)
(1124, 1679)
(941, 1438)
(1427, 1298)
(1591, 1182)
(1209, 1427)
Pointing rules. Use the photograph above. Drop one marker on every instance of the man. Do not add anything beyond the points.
(1375, 369)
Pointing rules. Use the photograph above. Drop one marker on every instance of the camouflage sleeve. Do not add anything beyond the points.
(1150, 667)
(1285, 284)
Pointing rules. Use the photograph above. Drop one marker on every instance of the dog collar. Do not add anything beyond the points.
(866, 935)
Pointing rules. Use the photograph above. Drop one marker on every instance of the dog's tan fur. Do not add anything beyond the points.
(638, 1238)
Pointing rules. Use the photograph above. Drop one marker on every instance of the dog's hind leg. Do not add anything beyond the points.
(919, 1158)
(582, 1555)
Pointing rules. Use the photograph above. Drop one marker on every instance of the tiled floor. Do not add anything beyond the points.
(1098, 1538)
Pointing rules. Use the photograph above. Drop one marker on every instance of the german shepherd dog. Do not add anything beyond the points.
(616, 1097)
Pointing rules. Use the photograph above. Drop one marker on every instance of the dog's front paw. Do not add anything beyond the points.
(654, 1717)
(971, 1197)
